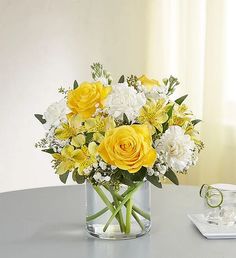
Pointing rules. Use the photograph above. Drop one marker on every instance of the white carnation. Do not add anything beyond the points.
(124, 100)
(55, 114)
(176, 148)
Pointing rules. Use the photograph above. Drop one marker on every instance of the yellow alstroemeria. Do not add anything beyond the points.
(87, 157)
(78, 140)
(99, 124)
(148, 83)
(98, 137)
(180, 116)
(68, 158)
(190, 130)
(70, 129)
(154, 113)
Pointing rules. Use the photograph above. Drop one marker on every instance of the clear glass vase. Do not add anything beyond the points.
(118, 214)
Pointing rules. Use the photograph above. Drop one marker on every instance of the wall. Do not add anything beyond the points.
(47, 44)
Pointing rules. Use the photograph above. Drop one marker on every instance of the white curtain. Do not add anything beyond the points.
(195, 41)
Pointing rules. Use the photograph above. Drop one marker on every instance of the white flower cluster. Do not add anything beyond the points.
(124, 100)
(157, 169)
(55, 114)
(176, 149)
(98, 177)
(155, 93)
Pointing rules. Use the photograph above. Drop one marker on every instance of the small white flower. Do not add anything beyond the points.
(55, 114)
(150, 171)
(97, 176)
(161, 168)
(88, 170)
(95, 165)
(107, 178)
(124, 100)
(177, 148)
(102, 165)
(113, 167)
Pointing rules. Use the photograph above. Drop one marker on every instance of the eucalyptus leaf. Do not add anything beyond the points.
(88, 137)
(169, 113)
(50, 151)
(40, 118)
(78, 178)
(196, 121)
(181, 99)
(122, 79)
(139, 176)
(64, 177)
(125, 119)
(172, 176)
(154, 180)
(75, 85)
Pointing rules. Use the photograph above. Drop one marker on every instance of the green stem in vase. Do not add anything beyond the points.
(96, 215)
(128, 215)
(126, 198)
(105, 209)
(137, 219)
(119, 215)
(135, 208)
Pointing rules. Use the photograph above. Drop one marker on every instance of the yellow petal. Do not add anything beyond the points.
(67, 151)
(92, 148)
(78, 140)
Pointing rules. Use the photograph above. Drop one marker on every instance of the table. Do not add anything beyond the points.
(49, 222)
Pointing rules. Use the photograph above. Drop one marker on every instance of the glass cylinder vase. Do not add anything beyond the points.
(122, 213)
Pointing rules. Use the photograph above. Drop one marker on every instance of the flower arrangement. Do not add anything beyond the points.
(120, 134)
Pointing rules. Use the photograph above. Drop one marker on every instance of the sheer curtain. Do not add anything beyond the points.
(195, 41)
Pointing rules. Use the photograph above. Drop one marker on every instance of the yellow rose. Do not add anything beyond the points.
(148, 83)
(84, 99)
(129, 147)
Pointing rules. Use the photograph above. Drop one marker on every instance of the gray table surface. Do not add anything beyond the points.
(49, 222)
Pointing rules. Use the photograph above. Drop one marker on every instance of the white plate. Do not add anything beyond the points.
(225, 187)
(212, 231)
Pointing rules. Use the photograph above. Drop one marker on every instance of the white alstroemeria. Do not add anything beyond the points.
(176, 148)
(55, 114)
(103, 80)
(124, 100)
(157, 92)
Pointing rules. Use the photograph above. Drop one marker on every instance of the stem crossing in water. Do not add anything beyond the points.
(119, 201)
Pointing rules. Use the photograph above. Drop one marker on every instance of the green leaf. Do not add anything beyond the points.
(125, 119)
(154, 180)
(181, 99)
(88, 137)
(75, 85)
(122, 79)
(169, 113)
(139, 176)
(172, 176)
(78, 178)
(50, 151)
(64, 177)
(165, 81)
(196, 121)
(126, 179)
(40, 118)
